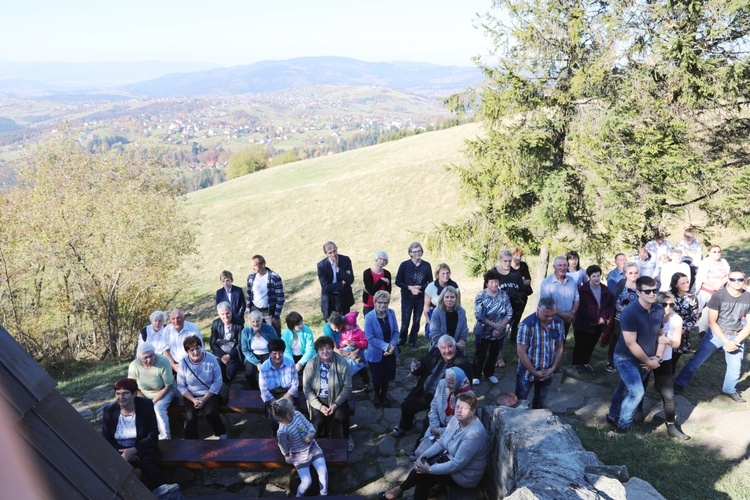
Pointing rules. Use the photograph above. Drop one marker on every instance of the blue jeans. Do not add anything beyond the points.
(709, 345)
(541, 388)
(629, 392)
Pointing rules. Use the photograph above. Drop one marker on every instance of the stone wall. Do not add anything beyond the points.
(534, 456)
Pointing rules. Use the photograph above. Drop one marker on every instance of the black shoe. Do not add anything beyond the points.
(398, 432)
(638, 418)
(622, 430)
(675, 432)
(734, 396)
(385, 402)
(610, 367)
(678, 389)
(611, 421)
(377, 402)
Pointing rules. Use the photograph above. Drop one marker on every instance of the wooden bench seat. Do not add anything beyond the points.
(248, 401)
(241, 453)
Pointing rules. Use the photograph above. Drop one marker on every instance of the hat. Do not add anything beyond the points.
(351, 317)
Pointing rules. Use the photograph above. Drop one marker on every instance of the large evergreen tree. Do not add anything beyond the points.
(605, 121)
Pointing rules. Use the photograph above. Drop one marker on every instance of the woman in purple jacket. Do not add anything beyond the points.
(594, 312)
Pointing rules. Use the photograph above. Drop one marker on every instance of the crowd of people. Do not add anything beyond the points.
(645, 313)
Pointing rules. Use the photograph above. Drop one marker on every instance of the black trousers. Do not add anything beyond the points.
(210, 410)
(423, 483)
(335, 426)
(411, 406)
(485, 356)
(585, 345)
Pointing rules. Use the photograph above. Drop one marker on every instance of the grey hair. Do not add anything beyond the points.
(223, 306)
(254, 315)
(158, 314)
(146, 347)
(629, 265)
(505, 253)
(446, 339)
(379, 254)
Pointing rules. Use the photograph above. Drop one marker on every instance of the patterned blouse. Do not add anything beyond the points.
(626, 297)
(687, 307)
(492, 308)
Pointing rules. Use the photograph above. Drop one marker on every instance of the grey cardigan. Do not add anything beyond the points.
(439, 325)
(339, 382)
(468, 450)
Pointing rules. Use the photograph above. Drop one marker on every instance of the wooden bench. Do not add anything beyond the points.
(240, 453)
(248, 401)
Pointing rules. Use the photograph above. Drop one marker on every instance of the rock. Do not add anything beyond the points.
(387, 446)
(607, 487)
(99, 394)
(619, 472)
(638, 489)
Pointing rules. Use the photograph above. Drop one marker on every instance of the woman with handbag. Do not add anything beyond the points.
(457, 458)
(199, 382)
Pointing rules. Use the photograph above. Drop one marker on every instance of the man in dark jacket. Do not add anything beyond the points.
(430, 370)
(336, 277)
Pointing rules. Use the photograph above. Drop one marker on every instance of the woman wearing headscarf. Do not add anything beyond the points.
(442, 407)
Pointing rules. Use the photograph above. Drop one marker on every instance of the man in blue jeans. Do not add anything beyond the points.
(727, 309)
(540, 348)
(636, 353)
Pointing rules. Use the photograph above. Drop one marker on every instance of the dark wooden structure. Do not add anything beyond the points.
(243, 453)
(70, 459)
(249, 401)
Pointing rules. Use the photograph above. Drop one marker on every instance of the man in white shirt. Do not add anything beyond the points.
(265, 293)
(177, 331)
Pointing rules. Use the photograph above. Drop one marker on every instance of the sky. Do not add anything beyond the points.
(236, 32)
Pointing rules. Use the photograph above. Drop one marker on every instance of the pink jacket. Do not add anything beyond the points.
(356, 334)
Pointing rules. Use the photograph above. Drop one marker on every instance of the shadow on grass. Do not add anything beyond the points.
(298, 283)
(677, 470)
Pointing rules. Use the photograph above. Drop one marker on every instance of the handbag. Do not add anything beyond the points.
(223, 392)
(440, 458)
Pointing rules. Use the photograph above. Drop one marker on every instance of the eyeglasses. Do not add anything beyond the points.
(649, 291)
(737, 280)
(666, 304)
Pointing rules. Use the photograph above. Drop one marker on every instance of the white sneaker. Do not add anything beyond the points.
(493, 379)
(475, 381)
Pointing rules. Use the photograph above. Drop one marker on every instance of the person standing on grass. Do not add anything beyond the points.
(265, 293)
(637, 353)
(564, 290)
(336, 276)
(729, 325)
(231, 293)
(412, 278)
(593, 316)
(617, 274)
(540, 349)
(623, 294)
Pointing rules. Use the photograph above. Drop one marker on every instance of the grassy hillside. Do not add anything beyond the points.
(365, 200)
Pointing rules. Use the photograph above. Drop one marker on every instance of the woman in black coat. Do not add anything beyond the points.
(129, 425)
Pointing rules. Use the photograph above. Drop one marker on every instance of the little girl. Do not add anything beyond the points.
(296, 442)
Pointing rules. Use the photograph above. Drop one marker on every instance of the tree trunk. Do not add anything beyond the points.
(541, 273)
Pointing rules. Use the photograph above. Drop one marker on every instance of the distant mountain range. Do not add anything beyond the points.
(158, 79)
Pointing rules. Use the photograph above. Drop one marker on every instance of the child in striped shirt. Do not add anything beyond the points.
(296, 436)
